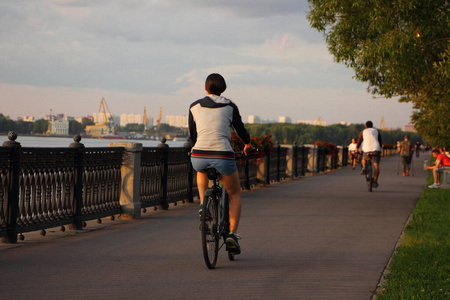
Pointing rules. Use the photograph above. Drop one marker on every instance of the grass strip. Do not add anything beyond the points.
(420, 267)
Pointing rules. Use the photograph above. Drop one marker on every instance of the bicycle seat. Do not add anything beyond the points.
(212, 173)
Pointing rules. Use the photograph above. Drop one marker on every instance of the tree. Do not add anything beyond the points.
(76, 127)
(400, 48)
(86, 121)
(6, 124)
(40, 126)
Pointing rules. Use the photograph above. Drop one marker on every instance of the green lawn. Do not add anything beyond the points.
(420, 268)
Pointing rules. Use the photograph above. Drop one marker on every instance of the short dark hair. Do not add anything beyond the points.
(369, 124)
(436, 151)
(215, 84)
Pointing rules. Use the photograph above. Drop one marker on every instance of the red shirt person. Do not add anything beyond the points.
(442, 160)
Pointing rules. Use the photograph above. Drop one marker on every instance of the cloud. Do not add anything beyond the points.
(289, 48)
(240, 8)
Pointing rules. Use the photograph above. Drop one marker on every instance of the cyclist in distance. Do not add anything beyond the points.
(370, 142)
(210, 122)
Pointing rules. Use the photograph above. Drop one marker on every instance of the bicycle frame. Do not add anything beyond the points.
(219, 190)
(369, 170)
(218, 195)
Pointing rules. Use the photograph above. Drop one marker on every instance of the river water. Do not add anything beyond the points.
(45, 141)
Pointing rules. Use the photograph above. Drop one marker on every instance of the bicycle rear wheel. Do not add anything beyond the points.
(210, 239)
(369, 176)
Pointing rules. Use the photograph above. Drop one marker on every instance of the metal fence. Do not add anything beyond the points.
(42, 188)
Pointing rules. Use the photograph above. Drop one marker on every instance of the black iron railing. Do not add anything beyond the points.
(42, 188)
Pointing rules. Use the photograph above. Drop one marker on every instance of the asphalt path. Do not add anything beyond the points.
(318, 237)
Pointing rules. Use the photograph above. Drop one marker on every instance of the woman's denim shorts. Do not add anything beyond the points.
(224, 166)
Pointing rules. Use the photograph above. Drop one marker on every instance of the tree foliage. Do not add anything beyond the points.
(6, 125)
(76, 127)
(400, 48)
(40, 126)
(308, 134)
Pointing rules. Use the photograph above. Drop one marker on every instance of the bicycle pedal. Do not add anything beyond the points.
(233, 250)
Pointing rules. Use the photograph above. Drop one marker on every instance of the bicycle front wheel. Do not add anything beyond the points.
(210, 239)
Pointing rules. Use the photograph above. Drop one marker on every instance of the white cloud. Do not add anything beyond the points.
(288, 48)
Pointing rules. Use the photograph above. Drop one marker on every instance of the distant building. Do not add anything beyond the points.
(177, 121)
(131, 119)
(284, 119)
(26, 118)
(54, 117)
(58, 127)
(252, 119)
(97, 130)
(345, 123)
(99, 118)
(318, 122)
(410, 128)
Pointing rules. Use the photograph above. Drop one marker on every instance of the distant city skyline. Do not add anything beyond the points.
(182, 120)
(66, 56)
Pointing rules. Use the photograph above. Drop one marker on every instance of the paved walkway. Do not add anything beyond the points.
(319, 237)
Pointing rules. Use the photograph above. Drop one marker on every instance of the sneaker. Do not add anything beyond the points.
(200, 212)
(434, 186)
(404, 174)
(407, 172)
(363, 171)
(232, 243)
(375, 184)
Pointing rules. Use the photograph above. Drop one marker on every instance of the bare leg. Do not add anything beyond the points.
(231, 184)
(436, 175)
(202, 184)
(377, 171)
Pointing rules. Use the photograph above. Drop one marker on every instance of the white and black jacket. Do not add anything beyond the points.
(210, 122)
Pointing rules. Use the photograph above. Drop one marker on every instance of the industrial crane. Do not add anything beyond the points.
(159, 118)
(108, 119)
(145, 121)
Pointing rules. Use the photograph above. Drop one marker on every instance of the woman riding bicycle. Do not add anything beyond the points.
(210, 122)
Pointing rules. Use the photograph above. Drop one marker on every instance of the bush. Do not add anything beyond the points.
(260, 144)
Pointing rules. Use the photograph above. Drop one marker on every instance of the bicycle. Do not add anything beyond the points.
(368, 171)
(214, 219)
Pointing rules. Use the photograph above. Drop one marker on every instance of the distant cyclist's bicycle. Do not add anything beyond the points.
(214, 219)
(368, 171)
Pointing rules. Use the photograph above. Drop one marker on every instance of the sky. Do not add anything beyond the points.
(66, 55)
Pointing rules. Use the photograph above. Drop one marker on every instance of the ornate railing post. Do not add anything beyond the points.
(188, 144)
(247, 173)
(267, 166)
(78, 187)
(13, 193)
(294, 160)
(131, 179)
(165, 150)
(278, 161)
